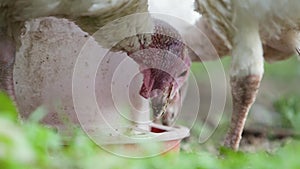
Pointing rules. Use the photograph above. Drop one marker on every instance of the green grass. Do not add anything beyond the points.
(31, 145)
(288, 107)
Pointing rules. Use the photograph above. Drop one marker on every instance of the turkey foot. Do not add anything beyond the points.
(7, 60)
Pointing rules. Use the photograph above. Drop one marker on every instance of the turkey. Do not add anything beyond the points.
(253, 31)
(163, 59)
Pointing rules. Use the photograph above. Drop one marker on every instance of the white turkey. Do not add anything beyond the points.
(90, 15)
(252, 30)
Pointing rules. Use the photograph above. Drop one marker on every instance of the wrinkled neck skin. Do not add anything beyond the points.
(161, 63)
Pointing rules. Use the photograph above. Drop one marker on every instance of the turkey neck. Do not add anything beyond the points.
(155, 53)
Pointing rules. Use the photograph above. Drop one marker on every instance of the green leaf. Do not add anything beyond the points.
(37, 115)
(7, 107)
(289, 108)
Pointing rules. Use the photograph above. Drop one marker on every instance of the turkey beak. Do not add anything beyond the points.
(160, 102)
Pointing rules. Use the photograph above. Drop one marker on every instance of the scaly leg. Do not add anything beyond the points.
(245, 76)
(244, 91)
(7, 60)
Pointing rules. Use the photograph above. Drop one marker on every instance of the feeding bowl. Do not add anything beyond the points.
(135, 142)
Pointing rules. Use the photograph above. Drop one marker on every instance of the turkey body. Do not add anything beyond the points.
(126, 35)
(89, 15)
(253, 31)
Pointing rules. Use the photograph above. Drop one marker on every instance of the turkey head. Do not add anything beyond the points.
(164, 64)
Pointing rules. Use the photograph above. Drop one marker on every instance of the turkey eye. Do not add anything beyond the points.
(183, 74)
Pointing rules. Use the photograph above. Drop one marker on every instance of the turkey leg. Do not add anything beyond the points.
(247, 69)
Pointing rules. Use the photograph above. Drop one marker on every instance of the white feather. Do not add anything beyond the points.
(90, 15)
(245, 25)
